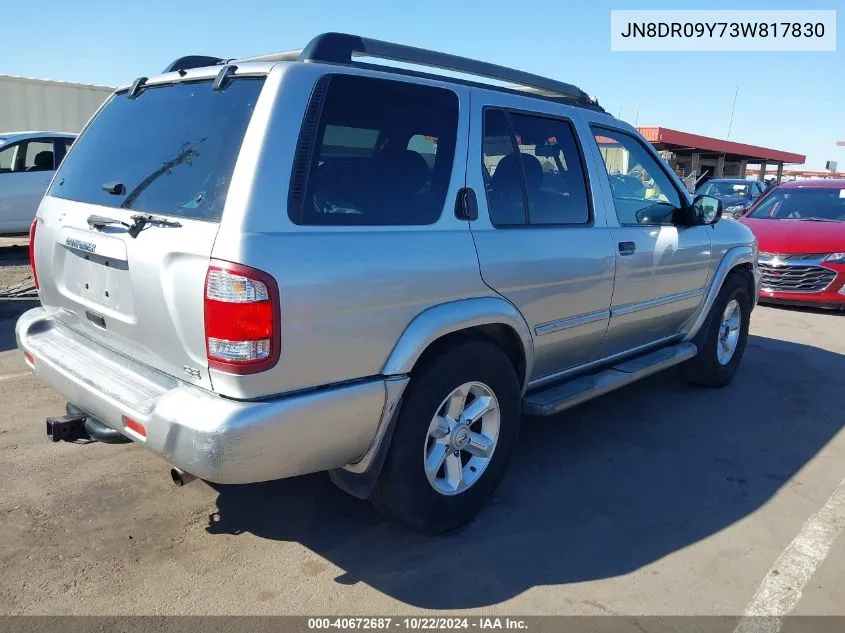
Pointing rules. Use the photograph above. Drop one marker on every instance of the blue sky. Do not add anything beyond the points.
(789, 101)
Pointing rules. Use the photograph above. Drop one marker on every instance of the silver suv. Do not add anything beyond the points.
(302, 262)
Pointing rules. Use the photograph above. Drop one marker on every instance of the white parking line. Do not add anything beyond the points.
(781, 589)
(10, 376)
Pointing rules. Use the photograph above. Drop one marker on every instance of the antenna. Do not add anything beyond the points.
(733, 107)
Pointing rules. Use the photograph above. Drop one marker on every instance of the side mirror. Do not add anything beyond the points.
(706, 210)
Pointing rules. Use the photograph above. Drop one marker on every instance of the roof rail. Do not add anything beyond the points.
(191, 61)
(341, 48)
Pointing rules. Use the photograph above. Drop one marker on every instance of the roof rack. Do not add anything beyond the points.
(342, 48)
(191, 61)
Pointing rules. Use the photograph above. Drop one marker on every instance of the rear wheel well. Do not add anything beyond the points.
(501, 335)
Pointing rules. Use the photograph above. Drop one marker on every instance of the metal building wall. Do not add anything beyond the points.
(37, 104)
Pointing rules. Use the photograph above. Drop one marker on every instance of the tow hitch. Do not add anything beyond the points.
(69, 428)
(78, 425)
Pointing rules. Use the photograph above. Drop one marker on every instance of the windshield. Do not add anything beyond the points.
(803, 204)
(171, 150)
(724, 189)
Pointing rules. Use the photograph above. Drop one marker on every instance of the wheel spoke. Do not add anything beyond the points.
(454, 456)
(454, 471)
(480, 445)
(477, 408)
(434, 460)
(444, 426)
(456, 403)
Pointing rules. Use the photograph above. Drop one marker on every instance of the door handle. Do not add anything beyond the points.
(627, 248)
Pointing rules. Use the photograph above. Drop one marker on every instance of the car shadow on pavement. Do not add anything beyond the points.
(598, 491)
(10, 310)
(14, 253)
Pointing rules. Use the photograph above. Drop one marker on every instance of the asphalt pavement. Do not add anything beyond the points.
(660, 498)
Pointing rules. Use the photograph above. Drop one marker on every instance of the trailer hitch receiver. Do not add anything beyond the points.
(67, 427)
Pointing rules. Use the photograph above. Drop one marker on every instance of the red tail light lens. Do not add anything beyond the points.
(242, 319)
(32, 251)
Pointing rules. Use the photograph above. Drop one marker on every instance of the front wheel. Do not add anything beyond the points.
(454, 435)
(721, 341)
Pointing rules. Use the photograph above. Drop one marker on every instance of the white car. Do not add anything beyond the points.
(28, 161)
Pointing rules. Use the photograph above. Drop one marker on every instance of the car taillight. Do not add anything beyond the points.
(242, 319)
(32, 251)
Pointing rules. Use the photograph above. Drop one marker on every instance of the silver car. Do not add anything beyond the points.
(28, 161)
(264, 267)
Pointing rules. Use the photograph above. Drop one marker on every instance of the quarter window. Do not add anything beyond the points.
(533, 171)
(383, 154)
(642, 192)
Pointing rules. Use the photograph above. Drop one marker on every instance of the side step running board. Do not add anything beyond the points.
(561, 396)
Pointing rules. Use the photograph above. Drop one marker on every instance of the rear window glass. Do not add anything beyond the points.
(172, 148)
(382, 155)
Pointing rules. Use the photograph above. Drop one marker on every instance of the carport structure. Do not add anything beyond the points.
(695, 157)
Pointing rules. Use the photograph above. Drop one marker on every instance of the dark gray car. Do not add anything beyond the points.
(736, 194)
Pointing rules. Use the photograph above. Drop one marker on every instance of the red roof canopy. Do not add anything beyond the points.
(705, 144)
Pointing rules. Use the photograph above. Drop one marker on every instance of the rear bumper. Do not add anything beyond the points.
(214, 438)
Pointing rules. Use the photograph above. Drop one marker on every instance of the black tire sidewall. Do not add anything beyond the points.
(403, 486)
(710, 371)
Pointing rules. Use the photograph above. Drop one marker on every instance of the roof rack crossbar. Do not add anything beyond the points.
(342, 48)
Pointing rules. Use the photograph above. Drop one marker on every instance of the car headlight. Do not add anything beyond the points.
(735, 209)
(836, 258)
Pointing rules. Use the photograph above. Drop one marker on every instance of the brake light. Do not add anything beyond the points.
(32, 251)
(242, 319)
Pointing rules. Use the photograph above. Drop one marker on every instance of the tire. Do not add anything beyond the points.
(706, 368)
(403, 491)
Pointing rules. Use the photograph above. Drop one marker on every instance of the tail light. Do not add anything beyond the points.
(242, 319)
(32, 250)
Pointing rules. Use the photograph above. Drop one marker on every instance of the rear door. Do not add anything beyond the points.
(169, 151)
(25, 171)
(540, 243)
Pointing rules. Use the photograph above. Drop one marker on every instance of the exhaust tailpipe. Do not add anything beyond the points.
(180, 477)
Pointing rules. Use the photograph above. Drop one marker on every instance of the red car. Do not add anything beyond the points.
(800, 227)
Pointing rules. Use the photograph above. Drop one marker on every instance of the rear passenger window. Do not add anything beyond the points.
(39, 156)
(534, 160)
(382, 154)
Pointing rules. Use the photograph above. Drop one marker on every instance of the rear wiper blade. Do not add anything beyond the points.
(101, 221)
(141, 220)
